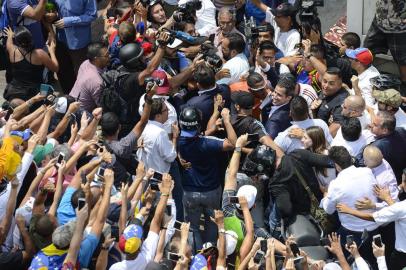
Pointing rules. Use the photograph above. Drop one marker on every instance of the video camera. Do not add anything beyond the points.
(185, 37)
(187, 11)
(251, 30)
(209, 53)
(308, 9)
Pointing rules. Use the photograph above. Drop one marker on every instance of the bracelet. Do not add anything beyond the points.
(237, 149)
(164, 228)
(104, 248)
(165, 194)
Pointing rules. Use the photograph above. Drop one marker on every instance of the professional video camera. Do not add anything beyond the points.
(308, 9)
(187, 11)
(185, 37)
(210, 56)
(251, 30)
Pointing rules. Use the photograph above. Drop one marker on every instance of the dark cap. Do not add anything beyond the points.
(284, 9)
(244, 99)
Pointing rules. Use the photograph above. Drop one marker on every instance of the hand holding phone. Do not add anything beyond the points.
(157, 176)
(233, 199)
(61, 157)
(258, 256)
(81, 203)
(377, 240)
(295, 249)
(349, 240)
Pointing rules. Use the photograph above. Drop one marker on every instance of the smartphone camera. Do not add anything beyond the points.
(295, 249)
(154, 185)
(264, 245)
(81, 203)
(233, 199)
(60, 158)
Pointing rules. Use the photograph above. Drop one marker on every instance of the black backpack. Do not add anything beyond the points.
(110, 94)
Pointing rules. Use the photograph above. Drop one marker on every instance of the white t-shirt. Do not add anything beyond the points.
(355, 147)
(147, 254)
(238, 65)
(285, 41)
(397, 213)
(365, 85)
(206, 17)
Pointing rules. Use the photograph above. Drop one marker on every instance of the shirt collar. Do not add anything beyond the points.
(299, 122)
(153, 122)
(207, 90)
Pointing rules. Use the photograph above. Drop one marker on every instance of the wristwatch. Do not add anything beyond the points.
(237, 149)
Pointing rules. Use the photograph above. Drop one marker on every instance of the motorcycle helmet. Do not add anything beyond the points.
(131, 56)
(190, 119)
(385, 81)
(260, 161)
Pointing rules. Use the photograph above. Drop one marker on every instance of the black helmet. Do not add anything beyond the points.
(130, 56)
(260, 161)
(385, 81)
(190, 118)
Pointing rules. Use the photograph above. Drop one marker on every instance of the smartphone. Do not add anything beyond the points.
(50, 100)
(168, 210)
(81, 203)
(173, 257)
(258, 256)
(100, 171)
(264, 245)
(127, 178)
(157, 176)
(60, 158)
(377, 240)
(177, 225)
(298, 261)
(73, 117)
(154, 185)
(253, 137)
(115, 233)
(46, 89)
(295, 249)
(9, 113)
(233, 199)
(349, 240)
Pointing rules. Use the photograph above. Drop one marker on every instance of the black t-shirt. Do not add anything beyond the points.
(330, 108)
(131, 92)
(12, 260)
(247, 124)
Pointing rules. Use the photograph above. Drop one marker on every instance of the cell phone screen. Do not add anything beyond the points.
(258, 257)
(295, 249)
(115, 233)
(264, 245)
(154, 186)
(173, 256)
(100, 171)
(43, 89)
(349, 240)
(81, 203)
(157, 176)
(378, 240)
(60, 158)
(253, 137)
(234, 199)
(177, 225)
(168, 210)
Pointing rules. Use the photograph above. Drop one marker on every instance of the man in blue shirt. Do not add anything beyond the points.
(28, 13)
(202, 180)
(73, 37)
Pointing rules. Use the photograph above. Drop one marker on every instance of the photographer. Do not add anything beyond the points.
(206, 17)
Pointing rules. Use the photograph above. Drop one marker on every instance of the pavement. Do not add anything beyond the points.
(329, 14)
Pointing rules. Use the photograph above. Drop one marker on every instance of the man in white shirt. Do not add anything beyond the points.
(300, 116)
(390, 101)
(351, 184)
(361, 61)
(352, 137)
(233, 46)
(206, 17)
(354, 106)
(156, 151)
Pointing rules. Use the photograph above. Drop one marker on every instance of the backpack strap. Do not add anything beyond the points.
(306, 186)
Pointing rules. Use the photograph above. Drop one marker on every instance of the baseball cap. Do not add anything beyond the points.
(20, 136)
(61, 105)
(390, 97)
(249, 192)
(130, 240)
(41, 151)
(284, 9)
(163, 88)
(244, 99)
(62, 235)
(363, 55)
(199, 262)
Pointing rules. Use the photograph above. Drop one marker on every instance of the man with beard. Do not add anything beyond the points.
(232, 47)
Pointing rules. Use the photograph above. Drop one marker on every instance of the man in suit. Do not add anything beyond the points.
(279, 118)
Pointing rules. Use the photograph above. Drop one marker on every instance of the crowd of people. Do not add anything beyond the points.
(200, 134)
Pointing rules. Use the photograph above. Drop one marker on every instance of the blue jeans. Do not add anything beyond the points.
(196, 204)
(177, 192)
(275, 222)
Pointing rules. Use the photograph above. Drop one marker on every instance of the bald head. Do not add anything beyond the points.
(353, 106)
(372, 156)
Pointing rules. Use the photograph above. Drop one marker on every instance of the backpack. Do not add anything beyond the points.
(110, 98)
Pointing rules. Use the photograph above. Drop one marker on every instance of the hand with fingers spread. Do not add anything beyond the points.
(335, 244)
(223, 73)
(364, 204)
(382, 193)
(124, 189)
(296, 132)
(343, 208)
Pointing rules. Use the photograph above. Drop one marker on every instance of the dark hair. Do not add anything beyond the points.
(205, 76)
(109, 123)
(254, 78)
(319, 144)
(388, 120)
(288, 84)
(156, 108)
(351, 40)
(44, 226)
(268, 27)
(23, 38)
(236, 42)
(335, 71)
(149, 11)
(299, 109)
(351, 129)
(340, 156)
(318, 50)
(267, 45)
(79, 193)
(127, 32)
(94, 50)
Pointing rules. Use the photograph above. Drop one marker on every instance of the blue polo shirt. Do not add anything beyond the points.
(78, 16)
(205, 155)
(16, 8)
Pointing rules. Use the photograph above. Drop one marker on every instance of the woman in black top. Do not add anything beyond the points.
(27, 64)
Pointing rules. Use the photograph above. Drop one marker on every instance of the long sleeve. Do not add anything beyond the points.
(329, 202)
(166, 148)
(313, 159)
(25, 166)
(89, 15)
(381, 263)
(361, 264)
(171, 225)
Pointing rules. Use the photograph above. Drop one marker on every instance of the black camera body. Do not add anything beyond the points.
(308, 8)
(251, 30)
(187, 11)
(209, 53)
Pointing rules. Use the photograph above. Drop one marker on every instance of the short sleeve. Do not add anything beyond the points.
(87, 247)
(65, 211)
(258, 127)
(17, 7)
(213, 144)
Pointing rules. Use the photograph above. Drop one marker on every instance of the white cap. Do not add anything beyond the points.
(249, 192)
(61, 105)
(231, 241)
